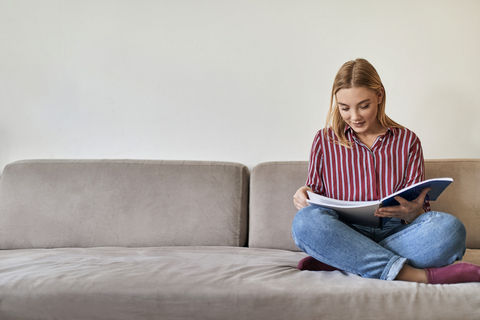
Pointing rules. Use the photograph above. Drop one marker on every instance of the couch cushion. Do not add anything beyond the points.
(87, 203)
(208, 283)
(273, 185)
(462, 197)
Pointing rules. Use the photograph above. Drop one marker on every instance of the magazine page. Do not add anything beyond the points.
(354, 212)
(322, 200)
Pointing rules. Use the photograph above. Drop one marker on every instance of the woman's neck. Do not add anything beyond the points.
(369, 138)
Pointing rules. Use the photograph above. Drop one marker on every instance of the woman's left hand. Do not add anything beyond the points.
(407, 210)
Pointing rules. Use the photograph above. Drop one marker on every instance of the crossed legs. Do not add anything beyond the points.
(431, 242)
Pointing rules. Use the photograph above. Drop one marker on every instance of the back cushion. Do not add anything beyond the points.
(86, 203)
(273, 185)
(462, 197)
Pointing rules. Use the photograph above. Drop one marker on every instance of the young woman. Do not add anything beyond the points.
(363, 155)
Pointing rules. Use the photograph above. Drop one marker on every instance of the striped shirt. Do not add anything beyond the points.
(394, 161)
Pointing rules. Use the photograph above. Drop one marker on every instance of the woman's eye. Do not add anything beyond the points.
(365, 107)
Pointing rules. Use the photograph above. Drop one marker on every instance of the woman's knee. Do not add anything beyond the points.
(446, 244)
(447, 226)
(310, 219)
(302, 220)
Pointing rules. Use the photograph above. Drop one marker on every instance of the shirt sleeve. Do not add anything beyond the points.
(416, 168)
(314, 178)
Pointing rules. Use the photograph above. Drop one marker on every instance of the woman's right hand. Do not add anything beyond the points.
(300, 197)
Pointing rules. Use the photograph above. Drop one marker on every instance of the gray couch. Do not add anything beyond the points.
(129, 239)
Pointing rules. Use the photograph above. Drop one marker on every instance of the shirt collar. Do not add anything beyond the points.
(350, 133)
(350, 130)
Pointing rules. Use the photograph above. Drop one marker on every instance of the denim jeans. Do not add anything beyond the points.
(434, 239)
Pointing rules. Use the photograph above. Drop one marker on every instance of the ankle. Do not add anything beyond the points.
(411, 274)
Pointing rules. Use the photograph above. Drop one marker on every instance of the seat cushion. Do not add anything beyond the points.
(208, 283)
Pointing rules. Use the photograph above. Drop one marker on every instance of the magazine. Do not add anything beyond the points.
(362, 212)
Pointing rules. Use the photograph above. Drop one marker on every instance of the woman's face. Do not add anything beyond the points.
(358, 108)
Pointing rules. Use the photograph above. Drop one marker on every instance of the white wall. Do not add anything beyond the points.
(243, 81)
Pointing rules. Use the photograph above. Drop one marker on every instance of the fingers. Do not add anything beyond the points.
(300, 205)
(423, 194)
(300, 197)
(300, 202)
(389, 214)
(401, 200)
(407, 210)
(418, 201)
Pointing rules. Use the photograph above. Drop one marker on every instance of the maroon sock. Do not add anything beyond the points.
(455, 273)
(310, 263)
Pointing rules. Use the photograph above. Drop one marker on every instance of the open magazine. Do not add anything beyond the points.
(362, 212)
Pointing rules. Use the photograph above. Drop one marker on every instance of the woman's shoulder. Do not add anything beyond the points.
(325, 134)
(405, 133)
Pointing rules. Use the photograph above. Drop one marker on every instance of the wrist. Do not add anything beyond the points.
(422, 211)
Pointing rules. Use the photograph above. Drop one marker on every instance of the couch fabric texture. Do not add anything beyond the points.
(132, 239)
(122, 203)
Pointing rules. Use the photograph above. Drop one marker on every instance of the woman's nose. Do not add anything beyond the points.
(355, 115)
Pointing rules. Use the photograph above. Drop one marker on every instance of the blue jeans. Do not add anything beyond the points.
(434, 239)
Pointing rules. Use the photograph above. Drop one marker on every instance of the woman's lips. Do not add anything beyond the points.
(358, 124)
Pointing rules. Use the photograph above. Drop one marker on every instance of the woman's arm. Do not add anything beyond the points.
(314, 174)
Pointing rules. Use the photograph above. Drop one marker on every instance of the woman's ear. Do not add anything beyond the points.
(380, 94)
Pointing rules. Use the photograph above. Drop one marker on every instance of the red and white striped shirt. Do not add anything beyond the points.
(394, 161)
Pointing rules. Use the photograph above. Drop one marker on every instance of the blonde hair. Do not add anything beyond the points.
(354, 74)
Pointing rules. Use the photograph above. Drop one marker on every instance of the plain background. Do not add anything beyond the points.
(243, 81)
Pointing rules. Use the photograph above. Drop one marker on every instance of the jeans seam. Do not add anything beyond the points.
(396, 263)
